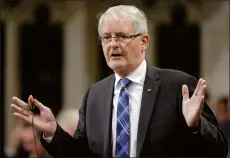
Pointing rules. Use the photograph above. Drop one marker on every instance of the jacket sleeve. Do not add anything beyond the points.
(64, 145)
(207, 139)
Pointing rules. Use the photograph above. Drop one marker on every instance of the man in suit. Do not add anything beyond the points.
(138, 111)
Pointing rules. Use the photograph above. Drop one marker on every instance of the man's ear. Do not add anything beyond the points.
(145, 42)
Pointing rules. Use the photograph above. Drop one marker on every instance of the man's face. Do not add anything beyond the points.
(122, 54)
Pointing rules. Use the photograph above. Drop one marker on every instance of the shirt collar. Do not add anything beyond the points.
(136, 76)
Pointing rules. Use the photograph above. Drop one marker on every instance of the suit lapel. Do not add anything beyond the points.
(149, 95)
(107, 115)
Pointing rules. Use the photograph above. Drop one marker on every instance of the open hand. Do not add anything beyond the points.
(192, 107)
(44, 122)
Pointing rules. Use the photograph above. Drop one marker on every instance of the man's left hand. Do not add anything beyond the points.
(192, 107)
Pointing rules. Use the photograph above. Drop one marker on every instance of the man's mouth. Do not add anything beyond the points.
(115, 55)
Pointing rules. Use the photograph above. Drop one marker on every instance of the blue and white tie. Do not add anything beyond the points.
(123, 122)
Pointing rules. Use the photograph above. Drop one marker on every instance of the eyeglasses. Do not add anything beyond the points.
(119, 36)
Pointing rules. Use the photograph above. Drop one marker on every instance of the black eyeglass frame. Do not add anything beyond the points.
(126, 36)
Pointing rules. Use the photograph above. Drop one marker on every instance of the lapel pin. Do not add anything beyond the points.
(149, 90)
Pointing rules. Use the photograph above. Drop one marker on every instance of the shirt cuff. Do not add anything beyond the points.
(47, 139)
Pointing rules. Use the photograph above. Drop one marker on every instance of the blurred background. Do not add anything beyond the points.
(50, 49)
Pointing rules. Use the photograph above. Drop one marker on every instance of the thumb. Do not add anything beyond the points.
(185, 93)
(39, 105)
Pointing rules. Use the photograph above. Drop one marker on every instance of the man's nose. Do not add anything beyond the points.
(114, 42)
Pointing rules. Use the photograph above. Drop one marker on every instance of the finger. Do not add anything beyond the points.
(20, 103)
(30, 100)
(202, 89)
(185, 93)
(22, 117)
(20, 110)
(201, 103)
(197, 87)
(202, 92)
(31, 113)
(39, 105)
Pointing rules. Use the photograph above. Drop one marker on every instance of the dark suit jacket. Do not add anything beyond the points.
(162, 130)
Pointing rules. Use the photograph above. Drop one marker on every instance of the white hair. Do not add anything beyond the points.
(136, 15)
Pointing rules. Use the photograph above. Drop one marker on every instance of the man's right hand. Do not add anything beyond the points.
(44, 122)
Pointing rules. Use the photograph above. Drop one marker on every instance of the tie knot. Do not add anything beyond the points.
(125, 82)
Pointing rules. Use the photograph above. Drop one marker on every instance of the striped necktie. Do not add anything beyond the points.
(123, 121)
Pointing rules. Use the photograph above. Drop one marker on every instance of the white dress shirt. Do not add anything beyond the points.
(135, 90)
